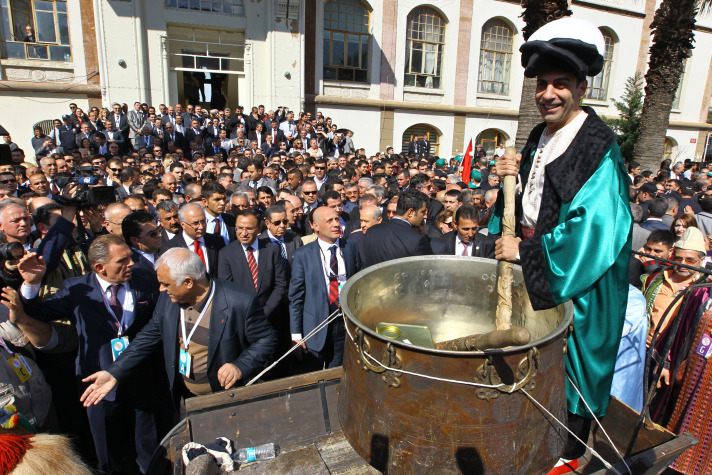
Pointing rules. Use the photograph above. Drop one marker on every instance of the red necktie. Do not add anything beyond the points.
(253, 265)
(333, 281)
(54, 189)
(217, 226)
(199, 251)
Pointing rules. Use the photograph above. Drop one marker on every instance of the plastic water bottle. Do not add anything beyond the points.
(255, 454)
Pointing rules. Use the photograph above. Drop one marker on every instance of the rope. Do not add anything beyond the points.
(599, 424)
(316, 329)
(593, 451)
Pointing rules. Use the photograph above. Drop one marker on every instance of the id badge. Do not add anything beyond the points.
(705, 347)
(342, 281)
(184, 363)
(118, 346)
(22, 370)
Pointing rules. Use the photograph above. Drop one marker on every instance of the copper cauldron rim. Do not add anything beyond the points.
(553, 335)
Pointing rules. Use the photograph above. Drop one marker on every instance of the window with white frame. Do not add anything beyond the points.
(346, 40)
(495, 58)
(35, 29)
(598, 84)
(424, 48)
(229, 7)
(206, 50)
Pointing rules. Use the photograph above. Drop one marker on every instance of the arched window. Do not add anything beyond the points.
(489, 139)
(424, 48)
(346, 38)
(495, 58)
(670, 149)
(598, 84)
(421, 130)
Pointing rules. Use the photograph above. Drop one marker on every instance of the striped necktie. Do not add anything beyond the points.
(252, 263)
(283, 253)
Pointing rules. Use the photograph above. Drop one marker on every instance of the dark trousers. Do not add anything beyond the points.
(580, 426)
(332, 355)
(124, 435)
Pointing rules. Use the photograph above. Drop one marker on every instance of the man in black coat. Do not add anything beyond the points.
(194, 224)
(109, 305)
(254, 266)
(468, 239)
(396, 238)
(234, 343)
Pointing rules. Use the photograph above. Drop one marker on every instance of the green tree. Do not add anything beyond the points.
(627, 125)
(673, 37)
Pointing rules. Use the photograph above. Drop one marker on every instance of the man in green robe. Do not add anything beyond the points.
(573, 215)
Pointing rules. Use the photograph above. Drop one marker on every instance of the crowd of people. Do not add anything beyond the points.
(225, 238)
(152, 256)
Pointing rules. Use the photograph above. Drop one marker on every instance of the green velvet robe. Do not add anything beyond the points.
(580, 252)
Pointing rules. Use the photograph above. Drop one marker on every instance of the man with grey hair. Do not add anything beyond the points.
(194, 237)
(239, 201)
(108, 307)
(15, 223)
(363, 184)
(223, 338)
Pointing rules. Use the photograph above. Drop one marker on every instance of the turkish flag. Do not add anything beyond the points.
(467, 164)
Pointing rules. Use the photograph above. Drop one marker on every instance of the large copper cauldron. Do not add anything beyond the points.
(402, 423)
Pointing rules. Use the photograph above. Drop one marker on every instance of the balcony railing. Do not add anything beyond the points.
(40, 51)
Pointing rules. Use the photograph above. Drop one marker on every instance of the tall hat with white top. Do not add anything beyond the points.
(569, 44)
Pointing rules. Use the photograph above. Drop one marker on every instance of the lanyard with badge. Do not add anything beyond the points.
(17, 362)
(328, 273)
(184, 358)
(121, 342)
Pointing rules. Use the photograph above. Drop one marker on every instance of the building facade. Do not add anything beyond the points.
(385, 69)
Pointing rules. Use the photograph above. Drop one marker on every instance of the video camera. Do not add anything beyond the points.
(87, 194)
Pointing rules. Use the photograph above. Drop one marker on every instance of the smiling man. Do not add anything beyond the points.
(576, 221)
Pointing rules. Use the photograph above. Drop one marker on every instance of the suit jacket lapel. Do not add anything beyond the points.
(218, 315)
(261, 262)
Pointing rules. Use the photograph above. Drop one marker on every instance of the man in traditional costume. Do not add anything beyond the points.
(573, 216)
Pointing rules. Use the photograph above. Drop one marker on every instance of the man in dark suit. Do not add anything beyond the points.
(255, 266)
(120, 121)
(415, 147)
(113, 135)
(467, 239)
(194, 131)
(171, 135)
(396, 238)
(279, 234)
(656, 210)
(276, 133)
(66, 134)
(223, 338)
(319, 271)
(220, 223)
(168, 218)
(143, 235)
(206, 246)
(108, 306)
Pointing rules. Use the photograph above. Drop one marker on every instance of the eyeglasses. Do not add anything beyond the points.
(310, 192)
(280, 221)
(115, 170)
(5, 182)
(201, 223)
(319, 168)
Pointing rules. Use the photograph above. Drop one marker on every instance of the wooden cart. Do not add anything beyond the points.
(300, 415)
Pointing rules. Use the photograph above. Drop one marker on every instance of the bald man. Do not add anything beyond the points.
(114, 216)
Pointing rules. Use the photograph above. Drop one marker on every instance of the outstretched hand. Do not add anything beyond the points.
(32, 268)
(102, 384)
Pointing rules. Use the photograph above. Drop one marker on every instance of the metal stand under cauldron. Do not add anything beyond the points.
(409, 409)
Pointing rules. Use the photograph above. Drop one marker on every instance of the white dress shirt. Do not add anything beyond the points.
(255, 251)
(212, 222)
(125, 295)
(189, 241)
(459, 246)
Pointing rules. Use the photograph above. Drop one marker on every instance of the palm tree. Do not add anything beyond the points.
(673, 36)
(537, 13)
